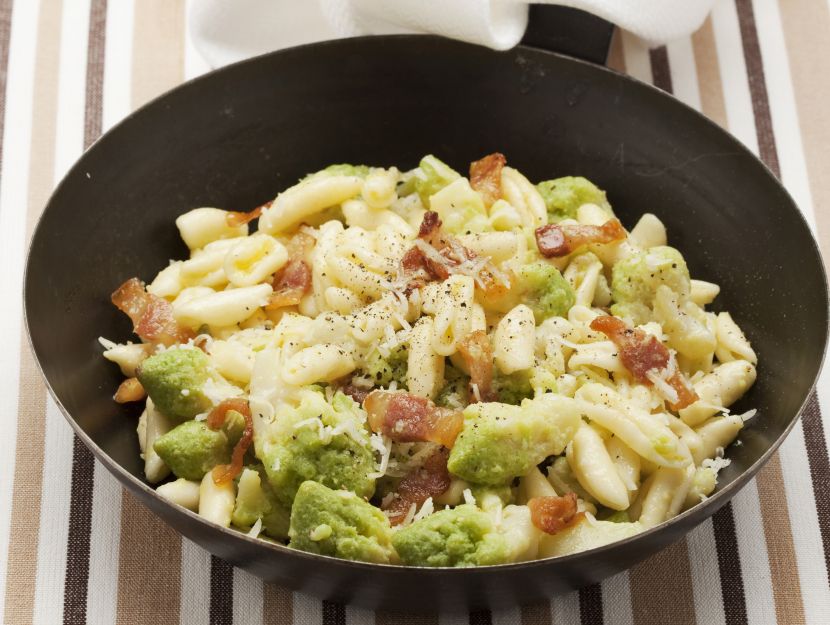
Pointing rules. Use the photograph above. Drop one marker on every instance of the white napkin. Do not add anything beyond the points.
(224, 31)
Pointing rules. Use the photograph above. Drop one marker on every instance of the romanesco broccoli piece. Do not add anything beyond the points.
(319, 441)
(434, 176)
(174, 380)
(513, 388)
(544, 290)
(339, 523)
(634, 280)
(383, 370)
(192, 449)
(255, 500)
(500, 442)
(564, 196)
(456, 537)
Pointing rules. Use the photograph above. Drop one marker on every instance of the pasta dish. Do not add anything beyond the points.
(427, 369)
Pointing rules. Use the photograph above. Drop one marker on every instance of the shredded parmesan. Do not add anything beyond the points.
(476, 392)
(427, 508)
(748, 415)
(256, 528)
(716, 464)
(658, 378)
(410, 515)
(106, 343)
(468, 497)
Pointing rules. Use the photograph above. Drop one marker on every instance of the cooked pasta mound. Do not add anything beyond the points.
(427, 369)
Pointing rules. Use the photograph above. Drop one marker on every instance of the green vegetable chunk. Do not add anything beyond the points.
(339, 523)
(634, 280)
(500, 442)
(192, 449)
(435, 175)
(545, 291)
(564, 196)
(458, 537)
(513, 388)
(255, 500)
(174, 380)
(318, 441)
(384, 370)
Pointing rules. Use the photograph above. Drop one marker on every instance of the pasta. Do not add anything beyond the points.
(394, 356)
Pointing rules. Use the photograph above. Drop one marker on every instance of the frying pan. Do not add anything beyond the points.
(237, 136)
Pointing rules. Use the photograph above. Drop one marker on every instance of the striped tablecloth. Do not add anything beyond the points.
(75, 548)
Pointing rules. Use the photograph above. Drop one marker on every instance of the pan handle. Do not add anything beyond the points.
(569, 31)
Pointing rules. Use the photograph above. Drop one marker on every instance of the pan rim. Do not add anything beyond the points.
(702, 510)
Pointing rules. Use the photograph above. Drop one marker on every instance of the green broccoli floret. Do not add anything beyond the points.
(634, 280)
(255, 499)
(500, 442)
(192, 449)
(544, 290)
(319, 441)
(564, 196)
(455, 391)
(434, 176)
(383, 370)
(339, 523)
(513, 388)
(457, 537)
(174, 380)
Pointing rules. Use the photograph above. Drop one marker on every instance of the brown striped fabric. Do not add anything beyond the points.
(76, 585)
(277, 605)
(733, 68)
(221, 593)
(149, 567)
(21, 566)
(663, 575)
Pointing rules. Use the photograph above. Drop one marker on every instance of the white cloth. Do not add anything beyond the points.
(224, 31)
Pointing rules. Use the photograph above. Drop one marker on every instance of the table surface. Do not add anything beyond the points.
(75, 548)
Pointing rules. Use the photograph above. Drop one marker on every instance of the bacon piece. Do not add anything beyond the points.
(151, 315)
(431, 479)
(485, 176)
(554, 514)
(644, 356)
(356, 393)
(477, 353)
(554, 240)
(430, 225)
(420, 266)
(216, 419)
(407, 418)
(129, 390)
(237, 218)
(294, 279)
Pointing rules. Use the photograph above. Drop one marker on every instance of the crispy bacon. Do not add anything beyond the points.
(419, 267)
(237, 218)
(129, 390)
(477, 353)
(223, 473)
(430, 226)
(642, 354)
(554, 514)
(407, 418)
(294, 279)
(355, 392)
(431, 479)
(554, 240)
(151, 315)
(485, 176)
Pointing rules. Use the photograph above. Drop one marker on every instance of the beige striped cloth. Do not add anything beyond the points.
(75, 548)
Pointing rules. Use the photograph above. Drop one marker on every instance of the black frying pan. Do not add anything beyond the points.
(235, 137)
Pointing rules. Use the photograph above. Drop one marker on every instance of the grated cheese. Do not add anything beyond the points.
(468, 497)
(106, 343)
(256, 528)
(427, 508)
